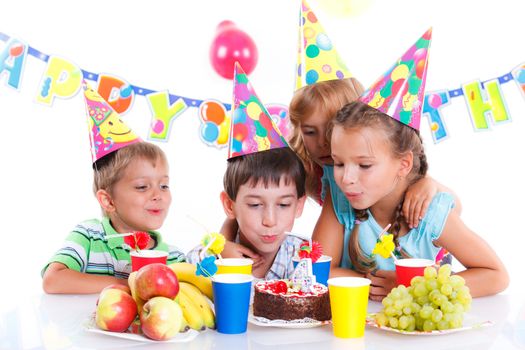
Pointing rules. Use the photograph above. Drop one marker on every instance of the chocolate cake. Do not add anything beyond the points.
(275, 300)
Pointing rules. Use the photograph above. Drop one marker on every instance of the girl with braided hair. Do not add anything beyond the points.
(376, 158)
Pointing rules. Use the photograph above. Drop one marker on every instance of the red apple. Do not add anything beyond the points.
(116, 309)
(161, 318)
(156, 280)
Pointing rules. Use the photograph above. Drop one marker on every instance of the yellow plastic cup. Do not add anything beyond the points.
(234, 265)
(349, 302)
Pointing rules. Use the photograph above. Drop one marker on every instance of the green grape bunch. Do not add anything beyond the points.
(436, 301)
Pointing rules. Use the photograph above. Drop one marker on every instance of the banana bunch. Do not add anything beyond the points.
(186, 273)
(192, 298)
(194, 292)
(195, 307)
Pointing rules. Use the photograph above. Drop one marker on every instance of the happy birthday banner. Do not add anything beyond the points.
(484, 102)
(62, 79)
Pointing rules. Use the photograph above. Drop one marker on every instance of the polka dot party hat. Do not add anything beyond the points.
(107, 132)
(252, 128)
(401, 90)
(317, 59)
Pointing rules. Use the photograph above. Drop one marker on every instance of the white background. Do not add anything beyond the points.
(163, 45)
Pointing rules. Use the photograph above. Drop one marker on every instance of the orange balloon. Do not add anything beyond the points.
(212, 111)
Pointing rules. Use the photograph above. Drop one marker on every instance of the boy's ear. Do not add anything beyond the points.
(300, 206)
(105, 201)
(406, 164)
(227, 204)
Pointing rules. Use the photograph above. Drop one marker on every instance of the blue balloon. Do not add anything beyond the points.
(210, 132)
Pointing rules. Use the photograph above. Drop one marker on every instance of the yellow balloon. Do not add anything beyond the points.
(224, 131)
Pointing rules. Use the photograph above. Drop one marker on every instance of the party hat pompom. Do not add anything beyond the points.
(138, 240)
(214, 242)
(313, 252)
(384, 246)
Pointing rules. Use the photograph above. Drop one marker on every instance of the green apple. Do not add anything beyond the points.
(161, 318)
(116, 309)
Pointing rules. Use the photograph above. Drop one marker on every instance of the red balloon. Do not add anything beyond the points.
(230, 45)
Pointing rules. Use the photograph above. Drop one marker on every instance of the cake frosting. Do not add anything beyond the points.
(281, 300)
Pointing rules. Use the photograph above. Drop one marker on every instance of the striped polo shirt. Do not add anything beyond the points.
(90, 248)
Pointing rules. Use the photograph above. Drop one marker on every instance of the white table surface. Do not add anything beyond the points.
(34, 320)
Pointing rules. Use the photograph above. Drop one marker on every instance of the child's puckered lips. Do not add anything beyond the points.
(155, 211)
(269, 238)
(353, 195)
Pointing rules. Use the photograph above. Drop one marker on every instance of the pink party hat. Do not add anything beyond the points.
(317, 59)
(400, 91)
(107, 131)
(252, 128)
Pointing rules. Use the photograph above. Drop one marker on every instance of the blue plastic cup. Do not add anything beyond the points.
(231, 295)
(320, 268)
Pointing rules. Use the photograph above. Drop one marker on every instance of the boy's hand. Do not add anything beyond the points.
(235, 250)
(417, 200)
(382, 283)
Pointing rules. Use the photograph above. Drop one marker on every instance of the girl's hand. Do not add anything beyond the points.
(382, 283)
(417, 200)
(235, 250)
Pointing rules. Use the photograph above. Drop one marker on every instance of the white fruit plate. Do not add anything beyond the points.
(304, 323)
(187, 336)
(468, 324)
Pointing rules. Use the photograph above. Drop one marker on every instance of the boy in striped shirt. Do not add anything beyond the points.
(131, 184)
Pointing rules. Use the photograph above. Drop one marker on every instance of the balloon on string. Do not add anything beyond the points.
(229, 45)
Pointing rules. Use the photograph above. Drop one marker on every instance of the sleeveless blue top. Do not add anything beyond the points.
(418, 242)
